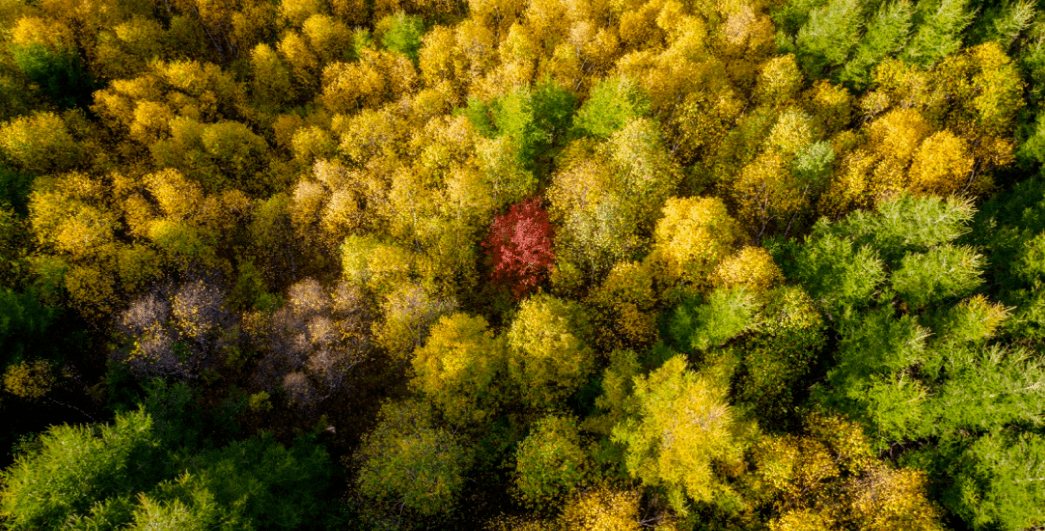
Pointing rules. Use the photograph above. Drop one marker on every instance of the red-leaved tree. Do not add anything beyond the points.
(521, 246)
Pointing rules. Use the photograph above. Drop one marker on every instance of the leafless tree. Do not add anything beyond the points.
(310, 345)
(175, 331)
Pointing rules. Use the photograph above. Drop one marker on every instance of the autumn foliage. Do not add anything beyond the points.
(526, 265)
(520, 244)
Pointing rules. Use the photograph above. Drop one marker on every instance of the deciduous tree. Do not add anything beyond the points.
(410, 463)
(551, 463)
(690, 240)
(549, 351)
(458, 368)
(520, 243)
(682, 435)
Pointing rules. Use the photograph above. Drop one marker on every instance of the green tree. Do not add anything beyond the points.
(906, 224)
(551, 463)
(939, 33)
(77, 467)
(702, 323)
(868, 381)
(828, 36)
(408, 462)
(779, 353)
(401, 33)
(887, 33)
(15, 187)
(143, 472)
(259, 481)
(179, 504)
(998, 482)
(987, 387)
(613, 103)
(943, 272)
(24, 323)
(914, 360)
(47, 55)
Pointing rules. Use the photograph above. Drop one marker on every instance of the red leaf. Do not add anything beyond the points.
(520, 243)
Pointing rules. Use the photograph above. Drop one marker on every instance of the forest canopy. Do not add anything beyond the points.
(685, 265)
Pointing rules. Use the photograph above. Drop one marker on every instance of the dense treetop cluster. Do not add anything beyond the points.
(602, 265)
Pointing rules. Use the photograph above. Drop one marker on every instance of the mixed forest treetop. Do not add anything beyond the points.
(522, 264)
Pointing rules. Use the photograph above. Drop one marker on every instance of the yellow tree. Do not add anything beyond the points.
(779, 81)
(329, 38)
(458, 366)
(376, 78)
(986, 94)
(39, 143)
(942, 165)
(751, 267)
(56, 36)
(682, 435)
(311, 143)
(551, 463)
(702, 121)
(766, 191)
(603, 509)
(438, 57)
(607, 196)
(353, 12)
(271, 83)
(878, 170)
(643, 169)
(987, 86)
(598, 223)
(304, 65)
(371, 134)
(186, 225)
(694, 235)
(897, 134)
(73, 221)
(222, 155)
(126, 49)
(624, 308)
(549, 355)
(828, 478)
(831, 105)
(189, 89)
(29, 379)
(518, 61)
(474, 52)
(549, 22)
(379, 266)
(295, 12)
(408, 312)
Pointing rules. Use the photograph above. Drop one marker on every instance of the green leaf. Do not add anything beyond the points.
(887, 33)
(940, 32)
(725, 314)
(942, 273)
(828, 36)
(613, 103)
(402, 34)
